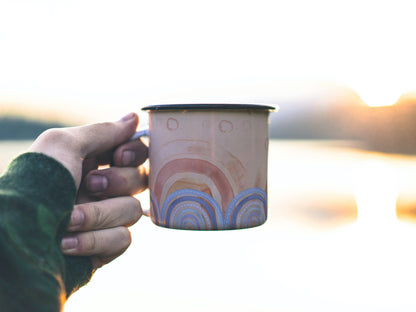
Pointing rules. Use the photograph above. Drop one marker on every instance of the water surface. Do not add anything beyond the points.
(339, 237)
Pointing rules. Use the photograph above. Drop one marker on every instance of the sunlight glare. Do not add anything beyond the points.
(377, 95)
(378, 98)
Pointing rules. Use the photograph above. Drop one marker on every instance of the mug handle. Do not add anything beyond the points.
(136, 136)
(139, 134)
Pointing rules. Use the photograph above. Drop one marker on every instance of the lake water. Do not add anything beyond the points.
(339, 237)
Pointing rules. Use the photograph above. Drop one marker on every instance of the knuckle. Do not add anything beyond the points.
(95, 217)
(88, 243)
(124, 180)
(59, 137)
(56, 135)
(52, 134)
(98, 218)
(106, 125)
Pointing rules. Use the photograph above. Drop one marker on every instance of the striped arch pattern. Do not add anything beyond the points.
(196, 210)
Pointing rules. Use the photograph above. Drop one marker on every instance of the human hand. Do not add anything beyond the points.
(104, 207)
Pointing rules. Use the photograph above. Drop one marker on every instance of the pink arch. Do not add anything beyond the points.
(195, 166)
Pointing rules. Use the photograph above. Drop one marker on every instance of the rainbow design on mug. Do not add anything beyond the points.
(195, 210)
(199, 185)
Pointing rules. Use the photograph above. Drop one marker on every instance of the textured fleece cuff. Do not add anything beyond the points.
(39, 186)
(42, 179)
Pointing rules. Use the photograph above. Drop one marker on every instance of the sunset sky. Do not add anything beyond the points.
(93, 60)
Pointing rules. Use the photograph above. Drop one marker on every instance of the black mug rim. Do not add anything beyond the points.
(196, 106)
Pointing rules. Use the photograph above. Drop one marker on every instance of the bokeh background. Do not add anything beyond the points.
(342, 199)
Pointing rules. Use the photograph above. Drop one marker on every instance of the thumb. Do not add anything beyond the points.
(101, 137)
(70, 145)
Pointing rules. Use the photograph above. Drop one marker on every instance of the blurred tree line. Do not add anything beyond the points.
(15, 128)
(389, 129)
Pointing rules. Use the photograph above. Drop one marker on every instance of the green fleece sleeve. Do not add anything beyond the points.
(37, 195)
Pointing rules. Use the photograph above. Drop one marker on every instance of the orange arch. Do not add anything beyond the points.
(199, 166)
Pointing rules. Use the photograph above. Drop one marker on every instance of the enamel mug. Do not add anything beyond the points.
(208, 165)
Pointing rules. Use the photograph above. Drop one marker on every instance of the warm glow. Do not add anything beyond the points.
(379, 97)
(379, 91)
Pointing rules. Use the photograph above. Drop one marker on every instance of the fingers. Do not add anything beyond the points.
(130, 154)
(115, 181)
(98, 229)
(109, 213)
(102, 246)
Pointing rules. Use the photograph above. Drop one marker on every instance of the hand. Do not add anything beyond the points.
(104, 207)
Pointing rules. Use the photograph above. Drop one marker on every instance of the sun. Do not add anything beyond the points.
(377, 95)
(378, 98)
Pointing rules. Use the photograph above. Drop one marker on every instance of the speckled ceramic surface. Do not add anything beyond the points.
(208, 166)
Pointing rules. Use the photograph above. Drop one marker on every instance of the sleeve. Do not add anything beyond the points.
(37, 194)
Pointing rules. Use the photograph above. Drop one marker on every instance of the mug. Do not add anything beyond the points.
(208, 165)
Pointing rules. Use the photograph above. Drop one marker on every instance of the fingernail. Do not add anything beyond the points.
(128, 157)
(77, 219)
(128, 117)
(69, 243)
(97, 183)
